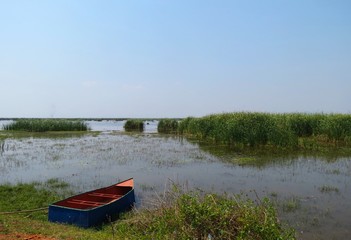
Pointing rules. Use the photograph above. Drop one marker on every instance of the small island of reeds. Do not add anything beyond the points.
(132, 125)
(45, 125)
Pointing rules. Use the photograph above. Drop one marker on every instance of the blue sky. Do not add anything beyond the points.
(173, 58)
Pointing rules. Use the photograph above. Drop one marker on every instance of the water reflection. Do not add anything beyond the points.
(2, 147)
(261, 157)
(111, 125)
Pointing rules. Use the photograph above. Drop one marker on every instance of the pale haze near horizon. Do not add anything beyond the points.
(173, 58)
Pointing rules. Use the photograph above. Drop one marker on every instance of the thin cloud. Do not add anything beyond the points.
(89, 84)
(132, 87)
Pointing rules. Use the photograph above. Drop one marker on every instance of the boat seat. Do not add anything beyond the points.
(106, 195)
(84, 202)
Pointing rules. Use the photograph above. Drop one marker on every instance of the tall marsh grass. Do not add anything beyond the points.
(167, 126)
(255, 129)
(44, 125)
(134, 125)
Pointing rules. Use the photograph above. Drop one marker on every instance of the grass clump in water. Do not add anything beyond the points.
(167, 126)
(328, 189)
(191, 216)
(134, 125)
(246, 161)
(45, 125)
(291, 205)
(55, 183)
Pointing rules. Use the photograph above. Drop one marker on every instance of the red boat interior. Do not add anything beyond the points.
(96, 198)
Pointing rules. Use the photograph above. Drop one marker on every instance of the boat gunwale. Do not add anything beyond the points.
(97, 207)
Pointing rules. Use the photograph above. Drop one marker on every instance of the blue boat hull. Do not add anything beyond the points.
(91, 217)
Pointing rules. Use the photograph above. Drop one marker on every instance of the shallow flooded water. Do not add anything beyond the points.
(312, 193)
(110, 125)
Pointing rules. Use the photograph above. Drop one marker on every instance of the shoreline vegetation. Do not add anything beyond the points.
(239, 130)
(283, 131)
(175, 215)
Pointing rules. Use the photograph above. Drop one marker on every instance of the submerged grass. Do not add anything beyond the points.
(291, 205)
(45, 125)
(176, 216)
(295, 130)
(328, 189)
(244, 161)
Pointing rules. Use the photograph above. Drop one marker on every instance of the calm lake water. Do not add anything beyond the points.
(312, 193)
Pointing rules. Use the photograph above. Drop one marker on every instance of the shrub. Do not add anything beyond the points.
(192, 216)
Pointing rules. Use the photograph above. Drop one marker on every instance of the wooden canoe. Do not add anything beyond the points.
(95, 207)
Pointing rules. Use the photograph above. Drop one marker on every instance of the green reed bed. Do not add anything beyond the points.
(134, 125)
(258, 129)
(44, 125)
(167, 126)
(240, 128)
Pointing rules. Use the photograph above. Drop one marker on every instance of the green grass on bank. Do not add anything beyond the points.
(176, 216)
(261, 129)
(209, 216)
(32, 196)
(45, 125)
